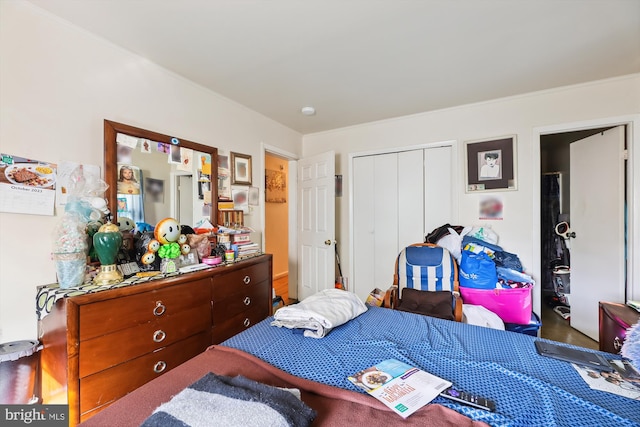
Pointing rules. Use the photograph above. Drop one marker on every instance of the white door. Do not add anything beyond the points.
(597, 191)
(316, 224)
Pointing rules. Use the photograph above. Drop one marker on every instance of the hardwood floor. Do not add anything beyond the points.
(554, 327)
(281, 286)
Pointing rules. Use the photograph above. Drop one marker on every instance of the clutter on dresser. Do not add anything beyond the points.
(71, 245)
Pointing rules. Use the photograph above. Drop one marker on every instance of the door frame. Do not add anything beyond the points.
(292, 190)
(632, 123)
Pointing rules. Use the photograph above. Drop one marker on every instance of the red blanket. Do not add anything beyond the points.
(335, 406)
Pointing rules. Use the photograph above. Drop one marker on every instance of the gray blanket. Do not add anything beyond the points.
(231, 401)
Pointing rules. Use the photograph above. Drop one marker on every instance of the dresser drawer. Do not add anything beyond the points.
(105, 387)
(255, 295)
(238, 323)
(104, 317)
(118, 347)
(235, 281)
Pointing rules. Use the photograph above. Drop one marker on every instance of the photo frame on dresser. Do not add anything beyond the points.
(491, 164)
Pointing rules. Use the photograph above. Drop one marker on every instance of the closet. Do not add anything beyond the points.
(398, 197)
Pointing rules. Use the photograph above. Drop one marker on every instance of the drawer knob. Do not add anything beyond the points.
(159, 335)
(246, 280)
(159, 367)
(246, 322)
(247, 300)
(159, 309)
(617, 343)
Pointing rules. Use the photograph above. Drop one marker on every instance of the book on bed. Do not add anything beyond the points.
(401, 387)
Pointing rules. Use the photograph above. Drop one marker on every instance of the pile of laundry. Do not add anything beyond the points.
(489, 276)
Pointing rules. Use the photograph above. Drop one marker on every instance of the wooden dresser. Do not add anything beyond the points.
(99, 346)
(241, 297)
(614, 321)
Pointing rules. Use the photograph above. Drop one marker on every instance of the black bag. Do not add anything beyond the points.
(440, 232)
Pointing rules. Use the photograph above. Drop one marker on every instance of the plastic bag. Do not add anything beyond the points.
(484, 233)
(453, 242)
(477, 270)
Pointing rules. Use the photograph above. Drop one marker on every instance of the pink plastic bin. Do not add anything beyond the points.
(511, 305)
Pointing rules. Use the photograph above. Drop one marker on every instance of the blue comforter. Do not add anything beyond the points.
(529, 390)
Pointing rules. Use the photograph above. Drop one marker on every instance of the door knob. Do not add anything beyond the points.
(327, 242)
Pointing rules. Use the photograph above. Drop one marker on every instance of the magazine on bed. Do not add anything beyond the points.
(401, 387)
(623, 380)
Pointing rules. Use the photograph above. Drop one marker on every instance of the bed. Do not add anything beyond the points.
(529, 390)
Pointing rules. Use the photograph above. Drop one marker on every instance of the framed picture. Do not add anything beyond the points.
(240, 169)
(240, 199)
(491, 164)
(224, 177)
(275, 186)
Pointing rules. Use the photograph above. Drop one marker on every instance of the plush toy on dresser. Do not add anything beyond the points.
(172, 244)
(127, 251)
(146, 248)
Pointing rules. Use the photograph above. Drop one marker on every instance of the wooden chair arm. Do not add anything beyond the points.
(457, 311)
(390, 297)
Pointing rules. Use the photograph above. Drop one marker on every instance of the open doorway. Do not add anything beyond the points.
(277, 222)
(556, 235)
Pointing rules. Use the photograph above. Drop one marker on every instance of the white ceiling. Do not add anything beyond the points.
(358, 61)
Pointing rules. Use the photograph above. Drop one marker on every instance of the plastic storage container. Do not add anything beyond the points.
(511, 305)
(19, 364)
(531, 328)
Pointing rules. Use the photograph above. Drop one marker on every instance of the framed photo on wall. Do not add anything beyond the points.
(491, 164)
(240, 169)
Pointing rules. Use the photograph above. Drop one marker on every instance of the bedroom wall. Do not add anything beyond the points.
(57, 85)
(518, 115)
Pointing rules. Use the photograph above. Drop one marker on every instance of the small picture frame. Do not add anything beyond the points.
(240, 169)
(491, 164)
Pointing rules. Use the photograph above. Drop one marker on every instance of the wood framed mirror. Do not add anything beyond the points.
(152, 176)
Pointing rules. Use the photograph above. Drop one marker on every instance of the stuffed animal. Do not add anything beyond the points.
(172, 243)
(146, 248)
(125, 224)
(141, 227)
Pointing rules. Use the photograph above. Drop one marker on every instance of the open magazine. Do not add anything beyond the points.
(401, 387)
(624, 380)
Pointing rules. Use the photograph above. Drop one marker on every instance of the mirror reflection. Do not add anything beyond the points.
(152, 176)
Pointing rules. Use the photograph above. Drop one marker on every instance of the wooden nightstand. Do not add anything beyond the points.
(615, 319)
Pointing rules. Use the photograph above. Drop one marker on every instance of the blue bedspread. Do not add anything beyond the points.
(529, 390)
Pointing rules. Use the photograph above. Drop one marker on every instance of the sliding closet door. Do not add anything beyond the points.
(385, 229)
(410, 201)
(397, 199)
(375, 220)
(364, 194)
(438, 187)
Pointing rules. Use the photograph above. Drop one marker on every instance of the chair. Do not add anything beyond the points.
(425, 281)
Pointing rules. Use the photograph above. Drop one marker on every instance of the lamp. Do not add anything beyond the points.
(107, 241)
